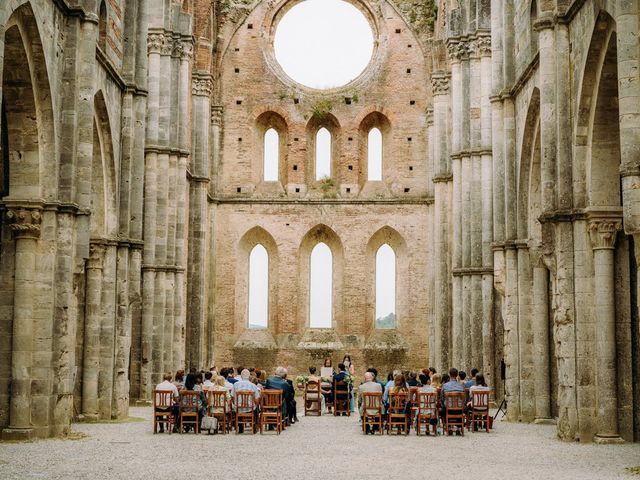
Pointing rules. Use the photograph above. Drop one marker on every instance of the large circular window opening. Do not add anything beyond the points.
(323, 43)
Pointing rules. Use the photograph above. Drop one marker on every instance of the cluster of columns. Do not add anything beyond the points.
(470, 174)
(166, 207)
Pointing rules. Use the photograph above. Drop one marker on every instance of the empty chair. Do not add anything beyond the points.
(245, 403)
(372, 417)
(397, 416)
(271, 410)
(312, 399)
(454, 411)
(189, 410)
(427, 412)
(479, 410)
(162, 409)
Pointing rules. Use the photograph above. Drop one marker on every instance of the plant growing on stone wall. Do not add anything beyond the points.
(321, 109)
(327, 185)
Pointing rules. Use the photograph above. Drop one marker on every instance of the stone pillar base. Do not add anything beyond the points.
(545, 421)
(607, 439)
(87, 418)
(17, 434)
(142, 403)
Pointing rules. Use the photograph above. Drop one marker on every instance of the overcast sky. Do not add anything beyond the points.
(323, 43)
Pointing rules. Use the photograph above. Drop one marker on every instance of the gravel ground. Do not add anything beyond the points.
(327, 447)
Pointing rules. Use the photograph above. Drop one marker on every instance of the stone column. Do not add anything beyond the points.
(603, 235)
(91, 347)
(540, 327)
(25, 224)
(441, 179)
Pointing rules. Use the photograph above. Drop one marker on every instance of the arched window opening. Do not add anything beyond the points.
(258, 287)
(102, 27)
(533, 16)
(374, 155)
(385, 287)
(321, 287)
(271, 154)
(323, 154)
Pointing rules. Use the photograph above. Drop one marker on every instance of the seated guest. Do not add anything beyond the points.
(239, 373)
(312, 395)
(413, 379)
(368, 386)
(245, 385)
(472, 380)
(462, 375)
(179, 380)
(191, 384)
(389, 384)
(292, 407)
(399, 386)
(166, 385)
(231, 378)
(436, 381)
(220, 386)
(340, 376)
(226, 374)
(207, 384)
(480, 385)
(451, 386)
(445, 378)
(278, 382)
(426, 384)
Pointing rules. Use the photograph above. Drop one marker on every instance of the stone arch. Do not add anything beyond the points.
(380, 121)
(390, 236)
(104, 213)
(315, 123)
(595, 140)
(28, 126)
(271, 119)
(529, 188)
(255, 236)
(317, 234)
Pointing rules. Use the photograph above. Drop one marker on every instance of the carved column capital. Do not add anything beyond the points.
(216, 115)
(186, 50)
(202, 87)
(483, 46)
(96, 256)
(167, 45)
(154, 42)
(603, 233)
(25, 221)
(440, 84)
(458, 50)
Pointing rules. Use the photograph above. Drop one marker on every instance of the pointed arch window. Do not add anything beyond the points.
(271, 155)
(323, 154)
(102, 27)
(385, 287)
(374, 155)
(258, 287)
(321, 287)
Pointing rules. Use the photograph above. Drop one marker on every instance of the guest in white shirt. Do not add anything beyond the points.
(207, 384)
(167, 386)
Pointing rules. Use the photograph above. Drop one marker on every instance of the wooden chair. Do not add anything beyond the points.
(271, 410)
(162, 409)
(312, 399)
(341, 398)
(245, 403)
(219, 408)
(413, 398)
(189, 409)
(427, 412)
(454, 411)
(479, 410)
(372, 412)
(397, 414)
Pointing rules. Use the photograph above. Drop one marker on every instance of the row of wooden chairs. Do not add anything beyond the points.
(247, 413)
(424, 412)
(338, 400)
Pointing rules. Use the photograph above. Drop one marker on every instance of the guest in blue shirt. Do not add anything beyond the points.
(451, 386)
(472, 381)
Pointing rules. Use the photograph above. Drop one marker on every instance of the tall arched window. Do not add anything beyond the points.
(271, 154)
(385, 287)
(102, 27)
(374, 155)
(258, 287)
(321, 287)
(323, 154)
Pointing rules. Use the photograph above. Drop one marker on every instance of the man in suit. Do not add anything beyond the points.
(278, 382)
(340, 377)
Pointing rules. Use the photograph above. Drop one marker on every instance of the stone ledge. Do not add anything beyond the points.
(325, 339)
(17, 434)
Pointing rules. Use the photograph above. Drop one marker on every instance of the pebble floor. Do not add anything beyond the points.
(324, 447)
